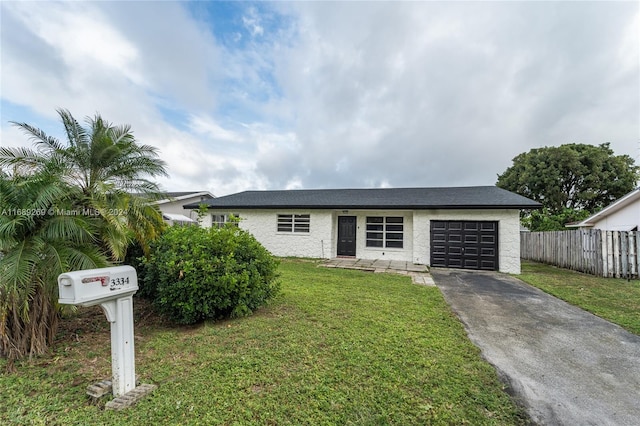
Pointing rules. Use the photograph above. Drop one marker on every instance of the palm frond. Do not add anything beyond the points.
(17, 266)
(44, 143)
(20, 156)
(76, 230)
(76, 134)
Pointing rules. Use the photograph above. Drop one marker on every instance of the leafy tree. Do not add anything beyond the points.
(578, 177)
(544, 220)
(95, 175)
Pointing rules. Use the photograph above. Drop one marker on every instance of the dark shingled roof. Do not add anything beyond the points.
(474, 197)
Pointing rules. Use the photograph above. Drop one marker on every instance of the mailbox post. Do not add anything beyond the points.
(113, 289)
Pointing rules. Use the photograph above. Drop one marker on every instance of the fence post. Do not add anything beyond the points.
(598, 253)
(624, 254)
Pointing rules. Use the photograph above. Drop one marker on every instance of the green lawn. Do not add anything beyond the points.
(337, 347)
(616, 300)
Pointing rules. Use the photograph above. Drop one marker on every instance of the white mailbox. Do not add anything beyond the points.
(111, 288)
(94, 286)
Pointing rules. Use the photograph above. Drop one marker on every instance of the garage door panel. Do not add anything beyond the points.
(488, 252)
(438, 260)
(438, 226)
(489, 226)
(464, 244)
(470, 264)
(454, 263)
(438, 236)
(454, 237)
(471, 251)
(470, 226)
(455, 251)
(471, 238)
(487, 265)
(439, 249)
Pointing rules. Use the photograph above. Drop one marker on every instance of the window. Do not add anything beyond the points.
(219, 220)
(385, 232)
(295, 223)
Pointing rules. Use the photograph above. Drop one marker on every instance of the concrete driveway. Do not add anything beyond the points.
(567, 366)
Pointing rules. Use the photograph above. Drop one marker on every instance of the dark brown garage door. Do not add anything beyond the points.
(464, 244)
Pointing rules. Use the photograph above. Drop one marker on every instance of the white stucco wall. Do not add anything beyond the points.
(321, 241)
(624, 219)
(175, 207)
(263, 225)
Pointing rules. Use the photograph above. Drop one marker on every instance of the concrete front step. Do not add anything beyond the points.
(419, 273)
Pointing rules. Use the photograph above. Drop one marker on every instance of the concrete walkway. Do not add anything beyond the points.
(567, 366)
(419, 273)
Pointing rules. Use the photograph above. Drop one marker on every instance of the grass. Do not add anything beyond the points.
(337, 347)
(616, 300)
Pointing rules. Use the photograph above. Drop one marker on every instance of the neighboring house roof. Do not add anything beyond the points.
(177, 196)
(177, 217)
(476, 197)
(628, 199)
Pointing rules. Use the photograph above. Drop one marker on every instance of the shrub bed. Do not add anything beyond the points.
(194, 274)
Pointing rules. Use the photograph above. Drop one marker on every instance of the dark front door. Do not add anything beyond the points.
(464, 244)
(346, 235)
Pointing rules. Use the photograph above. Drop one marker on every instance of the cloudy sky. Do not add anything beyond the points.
(279, 95)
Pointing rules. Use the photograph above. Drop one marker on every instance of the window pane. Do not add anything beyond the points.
(374, 235)
(301, 227)
(375, 219)
(394, 236)
(394, 244)
(374, 243)
(395, 228)
(301, 222)
(394, 220)
(375, 227)
(285, 223)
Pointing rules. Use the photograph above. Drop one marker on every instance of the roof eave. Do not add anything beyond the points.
(617, 205)
(369, 207)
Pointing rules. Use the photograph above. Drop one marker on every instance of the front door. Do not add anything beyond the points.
(346, 235)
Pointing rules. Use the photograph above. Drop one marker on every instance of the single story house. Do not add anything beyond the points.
(621, 215)
(465, 227)
(171, 207)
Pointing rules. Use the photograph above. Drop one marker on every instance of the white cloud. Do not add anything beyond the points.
(203, 125)
(427, 94)
(332, 94)
(252, 22)
(78, 33)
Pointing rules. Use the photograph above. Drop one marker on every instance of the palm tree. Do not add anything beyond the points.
(94, 174)
(111, 171)
(35, 248)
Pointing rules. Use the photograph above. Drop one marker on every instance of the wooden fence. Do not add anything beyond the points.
(593, 251)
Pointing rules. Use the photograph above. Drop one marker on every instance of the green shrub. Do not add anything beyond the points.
(195, 274)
